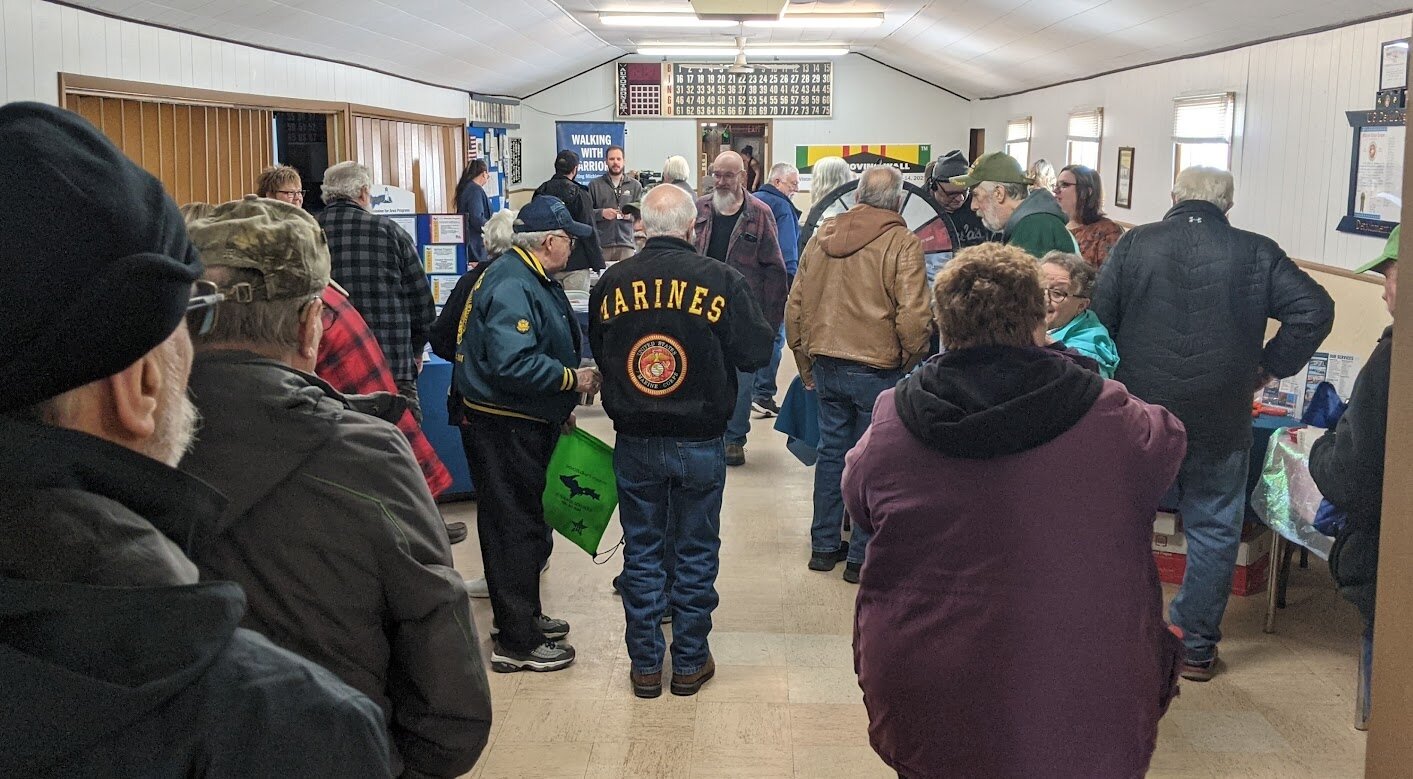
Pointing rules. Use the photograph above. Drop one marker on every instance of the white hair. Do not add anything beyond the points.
(781, 171)
(668, 211)
(1213, 185)
(829, 174)
(346, 181)
(676, 169)
(881, 187)
(530, 242)
(498, 232)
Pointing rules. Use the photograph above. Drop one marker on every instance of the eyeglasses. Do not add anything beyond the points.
(1058, 296)
(328, 316)
(726, 174)
(946, 194)
(571, 239)
(293, 194)
(201, 307)
(1064, 185)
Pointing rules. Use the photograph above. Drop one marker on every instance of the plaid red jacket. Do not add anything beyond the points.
(351, 361)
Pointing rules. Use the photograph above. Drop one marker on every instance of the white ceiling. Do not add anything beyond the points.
(978, 48)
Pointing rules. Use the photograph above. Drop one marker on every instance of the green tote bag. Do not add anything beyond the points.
(580, 489)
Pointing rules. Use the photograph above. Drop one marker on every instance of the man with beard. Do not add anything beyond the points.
(735, 227)
(1002, 197)
(609, 194)
(114, 660)
(955, 199)
(586, 255)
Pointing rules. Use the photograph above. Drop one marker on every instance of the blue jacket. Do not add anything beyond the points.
(472, 202)
(787, 224)
(518, 343)
(1088, 336)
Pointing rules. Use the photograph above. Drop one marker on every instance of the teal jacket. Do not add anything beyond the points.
(1038, 226)
(518, 343)
(1088, 336)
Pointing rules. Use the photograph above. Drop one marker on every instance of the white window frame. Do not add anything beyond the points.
(1084, 139)
(1199, 140)
(1018, 136)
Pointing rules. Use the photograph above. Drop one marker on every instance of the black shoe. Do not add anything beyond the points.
(456, 532)
(735, 454)
(766, 407)
(825, 561)
(549, 656)
(554, 629)
(851, 572)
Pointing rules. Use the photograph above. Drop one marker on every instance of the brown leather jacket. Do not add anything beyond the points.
(860, 294)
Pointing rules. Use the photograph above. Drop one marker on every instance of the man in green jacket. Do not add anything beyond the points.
(517, 369)
(1001, 196)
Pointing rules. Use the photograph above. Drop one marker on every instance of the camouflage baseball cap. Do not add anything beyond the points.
(280, 241)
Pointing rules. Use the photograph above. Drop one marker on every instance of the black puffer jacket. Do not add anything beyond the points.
(1187, 299)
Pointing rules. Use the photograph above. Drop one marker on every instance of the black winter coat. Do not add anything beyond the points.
(114, 662)
(341, 551)
(1186, 301)
(1347, 464)
(575, 197)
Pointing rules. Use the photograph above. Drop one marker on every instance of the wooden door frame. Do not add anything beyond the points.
(703, 165)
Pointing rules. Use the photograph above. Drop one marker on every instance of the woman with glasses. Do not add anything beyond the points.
(281, 182)
(1081, 195)
(1069, 284)
(1009, 619)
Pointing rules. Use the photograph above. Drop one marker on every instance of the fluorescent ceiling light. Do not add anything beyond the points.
(727, 52)
(826, 21)
(661, 20)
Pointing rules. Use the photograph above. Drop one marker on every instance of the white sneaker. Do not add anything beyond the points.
(477, 588)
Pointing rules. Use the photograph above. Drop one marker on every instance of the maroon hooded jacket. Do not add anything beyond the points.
(1009, 617)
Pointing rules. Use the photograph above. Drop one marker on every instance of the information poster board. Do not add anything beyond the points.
(711, 89)
(909, 158)
(1375, 172)
(590, 140)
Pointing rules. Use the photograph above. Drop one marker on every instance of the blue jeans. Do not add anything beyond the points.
(1211, 499)
(669, 502)
(764, 384)
(740, 422)
(846, 392)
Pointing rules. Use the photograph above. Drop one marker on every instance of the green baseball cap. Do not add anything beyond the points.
(997, 166)
(1389, 254)
(280, 241)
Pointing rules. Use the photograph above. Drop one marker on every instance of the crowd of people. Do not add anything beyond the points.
(277, 593)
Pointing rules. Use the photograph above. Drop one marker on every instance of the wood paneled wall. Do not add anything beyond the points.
(198, 152)
(425, 158)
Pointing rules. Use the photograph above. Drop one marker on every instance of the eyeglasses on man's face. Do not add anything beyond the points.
(725, 175)
(201, 307)
(565, 236)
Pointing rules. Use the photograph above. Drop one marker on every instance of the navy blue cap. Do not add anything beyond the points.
(546, 213)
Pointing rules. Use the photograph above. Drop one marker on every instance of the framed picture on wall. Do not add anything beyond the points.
(1123, 188)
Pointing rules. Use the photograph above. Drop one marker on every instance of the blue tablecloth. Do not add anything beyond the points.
(432, 387)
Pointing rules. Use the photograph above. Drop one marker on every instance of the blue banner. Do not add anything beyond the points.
(590, 140)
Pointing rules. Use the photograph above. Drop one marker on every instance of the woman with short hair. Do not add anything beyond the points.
(1009, 618)
(1069, 286)
(1081, 194)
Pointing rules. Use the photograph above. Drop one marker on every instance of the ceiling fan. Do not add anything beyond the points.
(740, 65)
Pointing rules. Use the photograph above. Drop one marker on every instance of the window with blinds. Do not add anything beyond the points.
(1018, 140)
(1203, 126)
(1086, 130)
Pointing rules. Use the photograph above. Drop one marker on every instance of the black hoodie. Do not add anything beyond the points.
(995, 401)
(115, 663)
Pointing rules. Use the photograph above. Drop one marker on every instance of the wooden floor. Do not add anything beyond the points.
(785, 702)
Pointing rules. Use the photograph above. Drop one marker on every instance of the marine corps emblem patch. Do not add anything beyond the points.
(657, 365)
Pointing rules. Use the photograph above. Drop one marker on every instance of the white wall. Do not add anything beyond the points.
(38, 40)
(872, 104)
(1292, 147)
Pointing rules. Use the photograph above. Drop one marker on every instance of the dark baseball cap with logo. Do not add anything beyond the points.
(546, 213)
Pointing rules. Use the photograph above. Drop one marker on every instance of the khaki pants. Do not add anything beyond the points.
(612, 254)
(574, 279)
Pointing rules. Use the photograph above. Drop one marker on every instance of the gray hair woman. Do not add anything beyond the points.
(675, 171)
(1069, 285)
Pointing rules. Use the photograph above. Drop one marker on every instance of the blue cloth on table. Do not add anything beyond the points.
(1324, 410)
(799, 421)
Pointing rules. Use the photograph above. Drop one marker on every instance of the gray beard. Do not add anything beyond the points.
(726, 202)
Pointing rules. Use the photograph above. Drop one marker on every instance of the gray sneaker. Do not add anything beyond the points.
(549, 656)
(554, 629)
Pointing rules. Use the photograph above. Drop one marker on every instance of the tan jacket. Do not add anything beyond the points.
(860, 294)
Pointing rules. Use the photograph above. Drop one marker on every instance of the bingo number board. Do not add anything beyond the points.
(774, 89)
